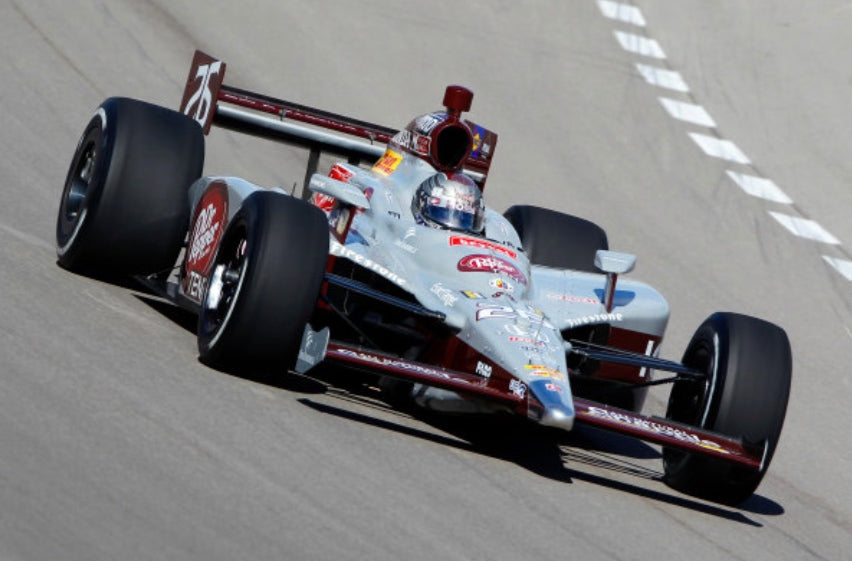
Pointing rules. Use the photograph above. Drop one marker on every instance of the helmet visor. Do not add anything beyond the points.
(453, 218)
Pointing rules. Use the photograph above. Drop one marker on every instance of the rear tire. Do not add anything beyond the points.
(263, 285)
(748, 367)
(555, 239)
(124, 207)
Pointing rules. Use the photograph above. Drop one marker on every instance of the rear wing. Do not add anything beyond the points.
(209, 101)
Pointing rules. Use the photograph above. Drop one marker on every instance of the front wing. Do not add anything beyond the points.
(651, 429)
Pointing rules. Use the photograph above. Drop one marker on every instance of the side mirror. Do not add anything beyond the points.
(613, 264)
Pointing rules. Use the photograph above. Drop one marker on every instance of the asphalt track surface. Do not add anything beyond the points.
(116, 443)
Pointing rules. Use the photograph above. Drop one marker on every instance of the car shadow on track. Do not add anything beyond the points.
(586, 454)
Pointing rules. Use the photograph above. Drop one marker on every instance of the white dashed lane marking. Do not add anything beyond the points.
(662, 78)
(842, 266)
(622, 12)
(688, 112)
(760, 187)
(804, 228)
(713, 146)
(639, 45)
(719, 148)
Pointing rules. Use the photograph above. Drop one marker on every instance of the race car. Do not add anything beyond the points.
(392, 264)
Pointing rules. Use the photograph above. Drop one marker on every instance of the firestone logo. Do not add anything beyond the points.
(489, 264)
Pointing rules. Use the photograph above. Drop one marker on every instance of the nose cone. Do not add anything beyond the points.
(555, 397)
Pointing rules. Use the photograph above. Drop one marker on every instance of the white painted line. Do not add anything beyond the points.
(843, 267)
(805, 228)
(621, 12)
(662, 78)
(760, 187)
(688, 112)
(718, 148)
(639, 45)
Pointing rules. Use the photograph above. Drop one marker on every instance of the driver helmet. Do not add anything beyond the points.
(450, 201)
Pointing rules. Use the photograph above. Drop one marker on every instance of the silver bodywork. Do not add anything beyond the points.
(503, 307)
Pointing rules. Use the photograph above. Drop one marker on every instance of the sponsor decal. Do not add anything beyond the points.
(553, 387)
(401, 364)
(572, 298)
(545, 372)
(518, 388)
(487, 263)
(479, 147)
(489, 310)
(426, 123)
(323, 202)
(594, 318)
(466, 241)
(500, 284)
(388, 163)
(472, 295)
(504, 295)
(444, 294)
(650, 426)
(196, 285)
(483, 369)
(412, 141)
(340, 173)
(540, 341)
(208, 224)
(342, 251)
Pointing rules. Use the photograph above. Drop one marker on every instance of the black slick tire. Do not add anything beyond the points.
(748, 367)
(263, 286)
(124, 207)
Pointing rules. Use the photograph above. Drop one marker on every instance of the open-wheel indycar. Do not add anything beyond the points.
(392, 264)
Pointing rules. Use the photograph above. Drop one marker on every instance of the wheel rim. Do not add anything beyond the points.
(78, 188)
(80, 181)
(224, 285)
(689, 401)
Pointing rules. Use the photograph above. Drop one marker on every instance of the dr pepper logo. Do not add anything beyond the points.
(487, 264)
(211, 214)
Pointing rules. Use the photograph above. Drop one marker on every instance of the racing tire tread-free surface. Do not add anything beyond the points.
(124, 207)
(748, 363)
(263, 286)
(555, 239)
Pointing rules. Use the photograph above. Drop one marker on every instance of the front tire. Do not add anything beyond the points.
(748, 369)
(263, 285)
(124, 207)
